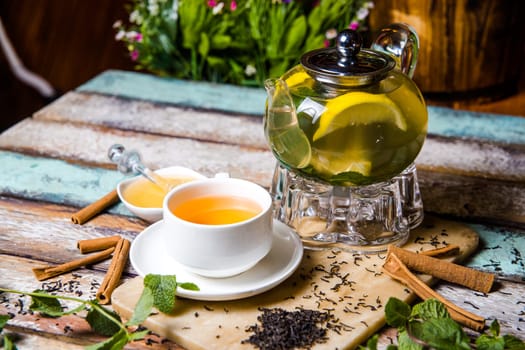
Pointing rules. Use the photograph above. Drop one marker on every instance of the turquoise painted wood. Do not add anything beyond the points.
(501, 251)
(59, 182)
(56, 181)
(243, 100)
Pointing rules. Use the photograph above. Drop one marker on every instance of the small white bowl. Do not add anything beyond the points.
(154, 214)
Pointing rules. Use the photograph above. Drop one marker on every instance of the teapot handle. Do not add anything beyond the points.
(400, 41)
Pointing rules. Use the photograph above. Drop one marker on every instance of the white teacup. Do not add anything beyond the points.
(218, 227)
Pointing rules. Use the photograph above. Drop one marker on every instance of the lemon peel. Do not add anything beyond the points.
(379, 109)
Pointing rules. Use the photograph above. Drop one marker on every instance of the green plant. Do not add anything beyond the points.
(158, 292)
(240, 42)
(428, 325)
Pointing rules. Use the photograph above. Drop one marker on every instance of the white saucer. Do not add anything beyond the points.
(147, 256)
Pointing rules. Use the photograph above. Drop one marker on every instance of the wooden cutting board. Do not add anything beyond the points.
(352, 287)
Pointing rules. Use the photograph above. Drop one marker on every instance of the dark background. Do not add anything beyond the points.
(67, 42)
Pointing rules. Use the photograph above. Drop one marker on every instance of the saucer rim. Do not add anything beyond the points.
(285, 269)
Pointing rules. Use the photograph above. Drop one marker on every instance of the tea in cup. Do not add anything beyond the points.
(218, 227)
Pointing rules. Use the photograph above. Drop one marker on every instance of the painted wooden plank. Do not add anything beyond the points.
(460, 156)
(228, 98)
(503, 161)
(445, 190)
(198, 94)
(472, 197)
(81, 143)
(497, 242)
(27, 225)
(143, 116)
(25, 220)
(56, 181)
(505, 303)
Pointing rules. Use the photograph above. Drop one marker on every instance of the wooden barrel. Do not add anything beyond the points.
(469, 49)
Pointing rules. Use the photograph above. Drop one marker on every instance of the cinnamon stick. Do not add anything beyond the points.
(96, 244)
(470, 278)
(399, 271)
(45, 272)
(86, 213)
(112, 278)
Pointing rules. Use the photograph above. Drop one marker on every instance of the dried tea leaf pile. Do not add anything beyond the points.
(282, 329)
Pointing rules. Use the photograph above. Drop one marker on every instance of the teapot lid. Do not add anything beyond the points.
(347, 64)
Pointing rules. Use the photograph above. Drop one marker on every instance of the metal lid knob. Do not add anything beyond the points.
(347, 64)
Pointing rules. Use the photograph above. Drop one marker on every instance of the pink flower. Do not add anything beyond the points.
(138, 37)
(233, 5)
(354, 25)
(134, 55)
(326, 43)
(212, 3)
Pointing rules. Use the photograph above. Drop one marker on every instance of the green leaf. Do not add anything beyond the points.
(430, 308)
(295, 36)
(513, 343)
(188, 286)
(220, 42)
(3, 321)
(101, 323)
(406, 343)
(116, 342)
(494, 328)
(142, 308)
(371, 344)
(486, 342)
(138, 335)
(46, 305)
(8, 343)
(440, 333)
(397, 313)
(204, 45)
(163, 289)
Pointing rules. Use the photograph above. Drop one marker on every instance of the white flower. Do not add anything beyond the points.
(370, 5)
(250, 70)
(131, 35)
(218, 8)
(117, 24)
(153, 8)
(331, 34)
(135, 17)
(362, 13)
(120, 35)
(175, 10)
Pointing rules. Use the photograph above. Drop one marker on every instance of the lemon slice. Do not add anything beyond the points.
(358, 108)
(344, 162)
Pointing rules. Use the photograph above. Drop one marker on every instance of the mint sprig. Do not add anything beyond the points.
(159, 291)
(428, 325)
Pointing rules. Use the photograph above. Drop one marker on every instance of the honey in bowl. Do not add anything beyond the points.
(145, 194)
(216, 210)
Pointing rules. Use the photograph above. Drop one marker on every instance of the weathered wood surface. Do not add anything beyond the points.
(472, 167)
(481, 177)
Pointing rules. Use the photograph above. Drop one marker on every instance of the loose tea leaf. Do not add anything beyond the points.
(282, 329)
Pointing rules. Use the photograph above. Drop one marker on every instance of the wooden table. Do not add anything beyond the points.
(471, 169)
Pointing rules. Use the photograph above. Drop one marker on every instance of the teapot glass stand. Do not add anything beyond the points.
(363, 219)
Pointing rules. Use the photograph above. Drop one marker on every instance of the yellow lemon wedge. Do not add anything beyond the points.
(358, 108)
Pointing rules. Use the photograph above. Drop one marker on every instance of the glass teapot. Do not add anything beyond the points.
(346, 126)
(348, 116)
